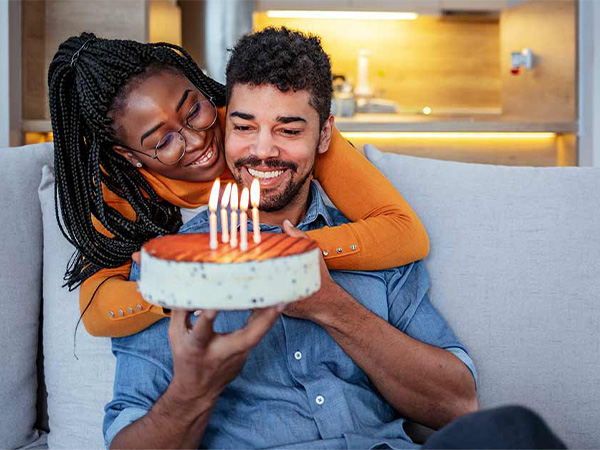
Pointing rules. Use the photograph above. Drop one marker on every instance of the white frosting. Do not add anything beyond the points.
(242, 285)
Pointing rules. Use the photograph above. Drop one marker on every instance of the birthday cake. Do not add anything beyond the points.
(182, 271)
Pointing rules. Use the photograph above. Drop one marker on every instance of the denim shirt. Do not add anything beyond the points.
(298, 389)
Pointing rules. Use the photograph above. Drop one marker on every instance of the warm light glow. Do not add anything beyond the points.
(234, 197)
(214, 195)
(245, 199)
(226, 196)
(445, 135)
(427, 110)
(255, 193)
(358, 15)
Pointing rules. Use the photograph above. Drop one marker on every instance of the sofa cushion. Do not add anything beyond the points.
(515, 268)
(20, 296)
(78, 387)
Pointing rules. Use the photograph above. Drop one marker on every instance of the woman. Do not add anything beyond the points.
(117, 192)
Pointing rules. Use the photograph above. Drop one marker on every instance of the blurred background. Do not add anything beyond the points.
(511, 82)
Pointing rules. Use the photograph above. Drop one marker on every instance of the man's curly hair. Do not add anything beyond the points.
(286, 59)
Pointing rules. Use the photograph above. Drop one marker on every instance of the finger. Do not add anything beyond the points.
(136, 257)
(291, 230)
(259, 323)
(180, 323)
(202, 330)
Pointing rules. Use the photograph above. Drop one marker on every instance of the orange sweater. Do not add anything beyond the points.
(385, 233)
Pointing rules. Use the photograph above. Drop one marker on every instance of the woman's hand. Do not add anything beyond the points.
(204, 362)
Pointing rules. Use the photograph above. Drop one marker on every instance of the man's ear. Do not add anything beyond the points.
(325, 138)
(127, 154)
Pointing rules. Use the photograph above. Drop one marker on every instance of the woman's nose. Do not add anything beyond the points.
(193, 139)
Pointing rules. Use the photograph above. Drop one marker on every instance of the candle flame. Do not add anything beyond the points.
(226, 196)
(244, 199)
(234, 197)
(214, 195)
(255, 193)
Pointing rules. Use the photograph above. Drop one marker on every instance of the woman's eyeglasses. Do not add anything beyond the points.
(172, 146)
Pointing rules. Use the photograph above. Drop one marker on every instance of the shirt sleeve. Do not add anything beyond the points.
(411, 311)
(146, 353)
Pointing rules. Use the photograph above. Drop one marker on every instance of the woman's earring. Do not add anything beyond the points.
(138, 165)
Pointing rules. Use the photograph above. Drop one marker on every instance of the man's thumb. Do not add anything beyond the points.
(291, 230)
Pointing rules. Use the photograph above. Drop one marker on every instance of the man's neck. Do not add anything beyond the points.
(294, 211)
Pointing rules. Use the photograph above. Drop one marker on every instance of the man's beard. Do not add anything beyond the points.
(275, 201)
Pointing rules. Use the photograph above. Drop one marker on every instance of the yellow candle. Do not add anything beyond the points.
(244, 220)
(224, 217)
(234, 215)
(212, 206)
(255, 199)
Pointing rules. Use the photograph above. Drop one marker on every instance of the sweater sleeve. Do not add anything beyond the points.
(110, 304)
(117, 308)
(385, 232)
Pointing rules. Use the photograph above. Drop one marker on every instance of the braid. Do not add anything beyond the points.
(85, 83)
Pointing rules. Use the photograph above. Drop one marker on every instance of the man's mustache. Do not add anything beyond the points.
(253, 161)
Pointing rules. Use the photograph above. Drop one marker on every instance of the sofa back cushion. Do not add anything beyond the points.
(78, 386)
(21, 290)
(515, 268)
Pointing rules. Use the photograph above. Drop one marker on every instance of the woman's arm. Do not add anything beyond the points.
(385, 231)
(117, 308)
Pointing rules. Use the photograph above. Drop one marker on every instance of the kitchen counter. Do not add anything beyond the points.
(441, 123)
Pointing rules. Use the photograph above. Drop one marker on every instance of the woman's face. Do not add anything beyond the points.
(162, 104)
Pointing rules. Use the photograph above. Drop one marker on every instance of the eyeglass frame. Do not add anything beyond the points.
(187, 124)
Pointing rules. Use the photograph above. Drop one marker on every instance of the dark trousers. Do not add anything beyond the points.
(506, 427)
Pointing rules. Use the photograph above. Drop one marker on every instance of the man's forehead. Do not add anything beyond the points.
(250, 98)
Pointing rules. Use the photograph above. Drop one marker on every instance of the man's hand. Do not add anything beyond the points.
(204, 362)
(323, 302)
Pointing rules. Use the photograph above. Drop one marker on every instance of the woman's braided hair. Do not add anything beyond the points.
(87, 79)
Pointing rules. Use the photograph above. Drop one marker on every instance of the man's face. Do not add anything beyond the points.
(273, 136)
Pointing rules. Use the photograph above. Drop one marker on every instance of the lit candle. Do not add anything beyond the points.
(244, 219)
(224, 219)
(212, 206)
(255, 198)
(234, 213)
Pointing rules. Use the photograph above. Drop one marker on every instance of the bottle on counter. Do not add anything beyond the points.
(343, 103)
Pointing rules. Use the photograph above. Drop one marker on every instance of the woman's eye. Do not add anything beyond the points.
(241, 128)
(194, 111)
(164, 141)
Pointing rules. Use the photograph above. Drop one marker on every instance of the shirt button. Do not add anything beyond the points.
(325, 252)
(339, 249)
(298, 355)
(130, 310)
(138, 307)
(320, 400)
(353, 247)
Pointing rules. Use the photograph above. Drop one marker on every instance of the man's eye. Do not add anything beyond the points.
(241, 128)
(291, 132)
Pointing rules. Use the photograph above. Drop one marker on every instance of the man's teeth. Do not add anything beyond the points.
(203, 160)
(263, 175)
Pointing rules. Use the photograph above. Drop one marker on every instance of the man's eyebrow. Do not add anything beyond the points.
(242, 115)
(182, 99)
(290, 119)
(150, 131)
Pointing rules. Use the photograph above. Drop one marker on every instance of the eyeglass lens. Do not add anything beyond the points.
(171, 148)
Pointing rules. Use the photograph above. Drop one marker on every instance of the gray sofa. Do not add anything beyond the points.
(514, 265)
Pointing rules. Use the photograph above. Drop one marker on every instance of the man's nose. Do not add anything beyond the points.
(265, 147)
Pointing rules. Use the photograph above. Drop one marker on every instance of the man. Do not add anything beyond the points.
(344, 368)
